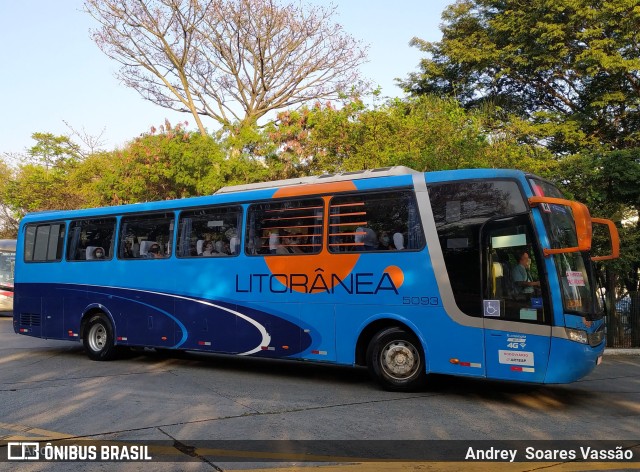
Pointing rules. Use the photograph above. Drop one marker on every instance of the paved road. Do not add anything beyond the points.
(50, 390)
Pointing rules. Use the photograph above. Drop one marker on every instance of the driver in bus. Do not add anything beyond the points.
(521, 275)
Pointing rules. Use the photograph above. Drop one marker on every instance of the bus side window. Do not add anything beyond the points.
(137, 232)
(209, 232)
(91, 239)
(459, 210)
(375, 221)
(44, 242)
(286, 227)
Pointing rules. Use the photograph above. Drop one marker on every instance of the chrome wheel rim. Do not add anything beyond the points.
(400, 360)
(97, 337)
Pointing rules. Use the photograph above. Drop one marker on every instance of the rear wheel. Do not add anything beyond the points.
(396, 361)
(98, 338)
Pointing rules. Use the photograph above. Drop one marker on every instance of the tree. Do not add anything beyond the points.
(425, 133)
(230, 60)
(41, 183)
(166, 163)
(8, 220)
(613, 190)
(572, 63)
(51, 150)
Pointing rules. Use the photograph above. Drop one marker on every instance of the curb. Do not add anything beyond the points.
(622, 352)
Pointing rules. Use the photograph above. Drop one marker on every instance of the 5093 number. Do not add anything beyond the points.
(424, 301)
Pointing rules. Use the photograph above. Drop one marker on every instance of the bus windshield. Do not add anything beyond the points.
(573, 271)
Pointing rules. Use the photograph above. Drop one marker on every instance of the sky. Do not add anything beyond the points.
(54, 79)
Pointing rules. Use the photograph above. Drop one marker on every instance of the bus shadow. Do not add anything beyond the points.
(547, 397)
(499, 392)
(255, 365)
(534, 396)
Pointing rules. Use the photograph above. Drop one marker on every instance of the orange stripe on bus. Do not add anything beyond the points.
(312, 189)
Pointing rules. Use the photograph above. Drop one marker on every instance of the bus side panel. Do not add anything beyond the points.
(53, 313)
(147, 320)
(278, 323)
(173, 321)
(319, 323)
(207, 327)
(40, 316)
(27, 312)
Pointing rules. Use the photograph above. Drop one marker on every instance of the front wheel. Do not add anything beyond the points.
(98, 338)
(396, 361)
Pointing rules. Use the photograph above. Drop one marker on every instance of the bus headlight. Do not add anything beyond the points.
(578, 335)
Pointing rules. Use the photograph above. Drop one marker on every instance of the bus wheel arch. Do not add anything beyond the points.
(98, 335)
(393, 355)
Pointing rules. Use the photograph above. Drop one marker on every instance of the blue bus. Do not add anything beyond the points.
(481, 273)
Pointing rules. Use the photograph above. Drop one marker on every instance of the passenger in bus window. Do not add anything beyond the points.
(98, 253)
(234, 244)
(154, 251)
(127, 253)
(207, 250)
(385, 241)
(135, 248)
(366, 239)
(294, 245)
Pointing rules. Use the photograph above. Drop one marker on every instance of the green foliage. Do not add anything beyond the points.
(36, 188)
(424, 133)
(568, 65)
(40, 183)
(608, 182)
(51, 150)
(170, 164)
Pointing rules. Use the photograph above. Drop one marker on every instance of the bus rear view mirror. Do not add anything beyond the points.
(581, 219)
(614, 239)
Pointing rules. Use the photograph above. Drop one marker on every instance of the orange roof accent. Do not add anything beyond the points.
(314, 189)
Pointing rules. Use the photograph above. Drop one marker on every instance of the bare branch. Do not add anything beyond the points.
(230, 60)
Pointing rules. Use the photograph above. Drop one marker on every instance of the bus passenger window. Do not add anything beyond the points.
(209, 232)
(146, 236)
(285, 227)
(380, 221)
(44, 242)
(91, 239)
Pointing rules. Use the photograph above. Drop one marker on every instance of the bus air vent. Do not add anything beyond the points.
(30, 319)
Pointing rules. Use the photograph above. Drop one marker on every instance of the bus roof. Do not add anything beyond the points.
(319, 179)
(250, 192)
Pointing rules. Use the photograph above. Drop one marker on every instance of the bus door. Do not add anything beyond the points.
(516, 310)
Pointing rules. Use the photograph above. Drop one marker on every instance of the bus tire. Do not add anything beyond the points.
(396, 361)
(98, 338)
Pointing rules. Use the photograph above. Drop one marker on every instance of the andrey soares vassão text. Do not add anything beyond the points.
(531, 453)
